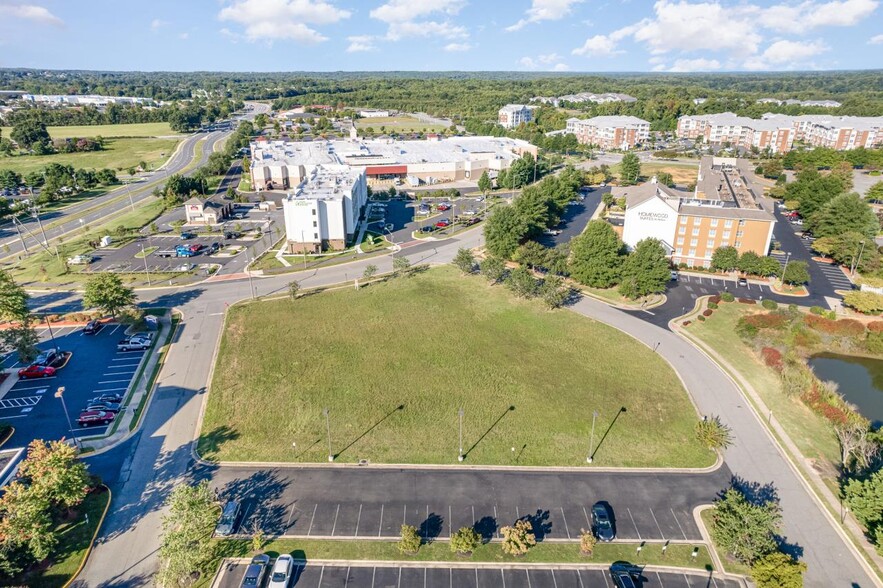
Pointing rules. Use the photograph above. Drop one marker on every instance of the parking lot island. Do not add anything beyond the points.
(394, 363)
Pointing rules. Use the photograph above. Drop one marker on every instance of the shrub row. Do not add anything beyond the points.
(747, 301)
(842, 327)
(772, 357)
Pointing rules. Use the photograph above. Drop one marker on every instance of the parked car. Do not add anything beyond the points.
(551, 232)
(675, 275)
(166, 253)
(213, 248)
(80, 260)
(742, 282)
(185, 235)
(472, 221)
(254, 573)
(282, 570)
(428, 229)
(622, 576)
(115, 398)
(135, 343)
(95, 417)
(602, 522)
(36, 371)
(232, 235)
(229, 519)
(92, 327)
(444, 206)
(443, 223)
(113, 407)
(48, 357)
(798, 222)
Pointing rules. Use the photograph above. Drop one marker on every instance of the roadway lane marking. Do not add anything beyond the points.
(661, 534)
(358, 520)
(311, 520)
(633, 523)
(380, 528)
(373, 575)
(565, 521)
(678, 523)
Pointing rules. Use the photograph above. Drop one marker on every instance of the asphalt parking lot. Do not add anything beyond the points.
(325, 575)
(310, 502)
(402, 215)
(576, 217)
(95, 367)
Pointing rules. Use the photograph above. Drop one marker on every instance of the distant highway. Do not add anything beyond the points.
(97, 210)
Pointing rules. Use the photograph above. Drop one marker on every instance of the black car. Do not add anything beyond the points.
(185, 236)
(742, 282)
(622, 576)
(92, 327)
(105, 406)
(48, 357)
(602, 522)
(231, 235)
(213, 248)
(254, 573)
(229, 519)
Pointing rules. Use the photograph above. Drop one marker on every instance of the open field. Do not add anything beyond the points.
(158, 129)
(398, 123)
(395, 361)
(682, 173)
(117, 154)
(811, 433)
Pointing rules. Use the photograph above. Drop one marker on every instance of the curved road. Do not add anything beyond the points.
(144, 468)
(102, 208)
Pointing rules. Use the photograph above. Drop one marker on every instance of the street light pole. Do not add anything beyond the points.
(303, 248)
(856, 262)
(248, 271)
(51, 336)
(146, 269)
(592, 438)
(784, 269)
(328, 428)
(60, 395)
(460, 455)
(40, 223)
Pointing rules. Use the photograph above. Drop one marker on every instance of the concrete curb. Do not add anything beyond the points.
(706, 536)
(92, 541)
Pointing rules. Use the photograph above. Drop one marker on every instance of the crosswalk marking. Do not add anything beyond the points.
(22, 402)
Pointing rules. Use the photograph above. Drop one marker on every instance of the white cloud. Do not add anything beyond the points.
(409, 10)
(360, 43)
(541, 10)
(548, 58)
(454, 47)
(428, 28)
(876, 40)
(606, 44)
(283, 19)
(547, 62)
(183, 36)
(157, 24)
(528, 63)
(792, 51)
(32, 12)
(561, 67)
(839, 14)
(687, 65)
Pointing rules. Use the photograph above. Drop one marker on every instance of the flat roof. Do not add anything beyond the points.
(332, 182)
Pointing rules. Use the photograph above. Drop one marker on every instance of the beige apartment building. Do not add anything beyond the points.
(610, 132)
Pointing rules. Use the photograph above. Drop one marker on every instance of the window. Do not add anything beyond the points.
(738, 244)
(314, 212)
(694, 242)
(741, 223)
(709, 244)
(682, 231)
(726, 235)
(683, 220)
(692, 252)
(714, 222)
(679, 251)
(712, 232)
(680, 240)
(739, 233)
(728, 224)
(316, 236)
(695, 231)
(315, 224)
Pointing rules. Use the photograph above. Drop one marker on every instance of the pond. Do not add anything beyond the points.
(859, 380)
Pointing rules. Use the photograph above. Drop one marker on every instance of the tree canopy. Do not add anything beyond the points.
(646, 270)
(596, 255)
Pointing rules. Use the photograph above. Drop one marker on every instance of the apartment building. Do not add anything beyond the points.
(610, 132)
(323, 211)
(722, 210)
(512, 115)
(778, 132)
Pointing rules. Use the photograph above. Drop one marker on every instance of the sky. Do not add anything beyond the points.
(426, 35)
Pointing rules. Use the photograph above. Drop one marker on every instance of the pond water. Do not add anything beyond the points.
(859, 380)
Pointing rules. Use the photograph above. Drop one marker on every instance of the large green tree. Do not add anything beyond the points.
(53, 472)
(21, 337)
(185, 545)
(778, 570)
(504, 231)
(596, 255)
(725, 258)
(813, 190)
(875, 192)
(646, 270)
(30, 133)
(107, 293)
(796, 273)
(745, 529)
(864, 496)
(629, 169)
(845, 213)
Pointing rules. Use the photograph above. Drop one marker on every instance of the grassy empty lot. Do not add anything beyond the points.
(158, 129)
(117, 154)
(432, 343)
(398, 123)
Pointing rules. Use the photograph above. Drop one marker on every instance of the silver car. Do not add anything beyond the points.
(282, 571)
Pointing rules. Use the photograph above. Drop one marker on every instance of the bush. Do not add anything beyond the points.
(770, 304)
(747, 301)
(864, 302)
(772, 357)
(841, 328)
(464, 541)
(796, 378)
(874, 343)
(876, 327)
(727, 297)
(700, 318)
(712, 306)
(410, 541)
(587, 542)
(825, 402)
(716, 299)
(686, 323)
(817, 310)
(707, 312)
(712, 433)
(518, 539)
(792, 308)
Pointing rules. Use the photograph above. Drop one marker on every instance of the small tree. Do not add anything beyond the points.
(587, 542)
(778, 570)
(493, 269)
(518, 539)
(107, 292)
(23, 340)
(744, 529)
(370, 271)
(646, 270)
(484, 183)
(293, 289)
(410, 540)
(401, 265)
(713, 433)
(465, 541)
(54, 473)
(464, 260)
(796, 273)
(522, 282)
(258, 539)
(552, 291)
(629, 169)
(185, 545)
(725, 258)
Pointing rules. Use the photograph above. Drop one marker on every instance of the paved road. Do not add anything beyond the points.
(310, 502)
(328, 575)
(68, 219)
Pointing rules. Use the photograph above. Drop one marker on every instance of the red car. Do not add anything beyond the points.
(443, 223)
(36, 371)
(195, 248)
(94, 417)
(444, 206)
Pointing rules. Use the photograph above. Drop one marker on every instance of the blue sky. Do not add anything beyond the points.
(527, 35)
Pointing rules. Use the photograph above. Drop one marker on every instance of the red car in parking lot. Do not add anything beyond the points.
(443, 223)
(444, 206)
(94, 417)
(36, 371)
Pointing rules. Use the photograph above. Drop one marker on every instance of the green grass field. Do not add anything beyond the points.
(117, 154)
(432, 343)
(158, 129)
(398, 123)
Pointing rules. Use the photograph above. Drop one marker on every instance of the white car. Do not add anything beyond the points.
(551, 232)
(135, 343)
(282, 570)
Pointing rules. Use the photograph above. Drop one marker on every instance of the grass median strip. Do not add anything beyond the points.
(396, 360)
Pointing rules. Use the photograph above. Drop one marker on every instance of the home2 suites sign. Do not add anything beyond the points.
(653, 216)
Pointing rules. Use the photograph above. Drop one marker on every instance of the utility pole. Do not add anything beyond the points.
(129, 194)
(60, 395)
(460, 455)
(36, 213)
(592, 438)
(787, 257)
(328, 429)
(24, 245)
(856, 262)
(248, 271)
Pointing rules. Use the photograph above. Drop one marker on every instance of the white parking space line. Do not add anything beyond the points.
(114, 381)
(380, 529)
(108, 390)
(114, 330)
(358, 520)
(661, 534)
(588, 522)
(633, 524)
(565, 522)
(311, 520)
(579, 577)
(678, 523)
(130, 358)
(290, 514)
(43, 388)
